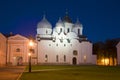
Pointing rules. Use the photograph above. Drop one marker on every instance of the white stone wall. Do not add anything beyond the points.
(68, 25)
(50, 48)
(44, 31)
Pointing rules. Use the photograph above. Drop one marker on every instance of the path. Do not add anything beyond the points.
(11, 72)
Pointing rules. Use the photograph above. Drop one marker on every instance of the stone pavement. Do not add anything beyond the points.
(11, 72)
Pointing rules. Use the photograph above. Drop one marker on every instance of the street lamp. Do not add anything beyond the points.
(31, 45)
(29, 62)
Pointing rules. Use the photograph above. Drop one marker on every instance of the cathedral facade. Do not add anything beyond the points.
(64, 44)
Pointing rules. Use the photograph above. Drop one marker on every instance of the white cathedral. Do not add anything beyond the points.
(64, 44)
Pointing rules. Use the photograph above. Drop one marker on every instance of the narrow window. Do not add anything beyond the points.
(57, 58)
(78, 31)
(46, 58)
(46, 32)
(68, 40)
(64, 58)
(60, 30)
(68, 30)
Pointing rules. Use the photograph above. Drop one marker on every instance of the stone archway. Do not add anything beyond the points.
(74, 61)
(19, 60)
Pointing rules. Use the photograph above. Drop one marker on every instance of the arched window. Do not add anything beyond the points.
(46, 58)
(78, 31)
(60, 30)
(68, 30)
(75, 52)
(85, 58)
(64, 58)
(57, 58)
(56, 44)
(46, 32)
(18, 50)
(64, 44)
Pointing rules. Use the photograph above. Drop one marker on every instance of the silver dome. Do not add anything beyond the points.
(59, 23)
(44, 23)
(78, 24)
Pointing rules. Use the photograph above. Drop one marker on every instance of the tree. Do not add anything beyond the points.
(106, 50)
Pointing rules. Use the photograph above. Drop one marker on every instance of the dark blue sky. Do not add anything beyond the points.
(100, 18)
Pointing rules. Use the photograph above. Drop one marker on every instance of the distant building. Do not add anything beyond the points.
(3, 49)
(118, 53)
(64, 44)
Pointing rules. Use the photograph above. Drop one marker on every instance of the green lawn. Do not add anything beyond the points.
(72, 73)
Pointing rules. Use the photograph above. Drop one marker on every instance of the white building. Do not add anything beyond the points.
(118, 53)
(65, 44)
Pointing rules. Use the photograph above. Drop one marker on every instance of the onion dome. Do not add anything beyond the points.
(59, 23)
(78, 24)
(67, 18)
(44, 23)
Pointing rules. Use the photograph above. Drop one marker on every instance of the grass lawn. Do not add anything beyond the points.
(72, 73)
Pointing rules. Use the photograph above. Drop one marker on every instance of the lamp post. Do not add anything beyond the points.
(31, 45)
(29, 62)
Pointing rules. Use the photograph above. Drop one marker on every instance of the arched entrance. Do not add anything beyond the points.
(19, 60)
(74, 61)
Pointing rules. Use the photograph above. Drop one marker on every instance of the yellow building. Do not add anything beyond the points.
(2, 49)
(18, 50)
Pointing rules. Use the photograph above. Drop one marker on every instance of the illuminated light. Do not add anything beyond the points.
(14, 57)
(29, 54)
(31, 43)
(105, 61)
(85, 57)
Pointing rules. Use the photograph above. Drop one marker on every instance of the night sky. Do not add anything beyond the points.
(100, 18)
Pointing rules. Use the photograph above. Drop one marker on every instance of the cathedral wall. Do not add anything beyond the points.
(61, 49)
(68, 25)
(44, 31)
(87, 56)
